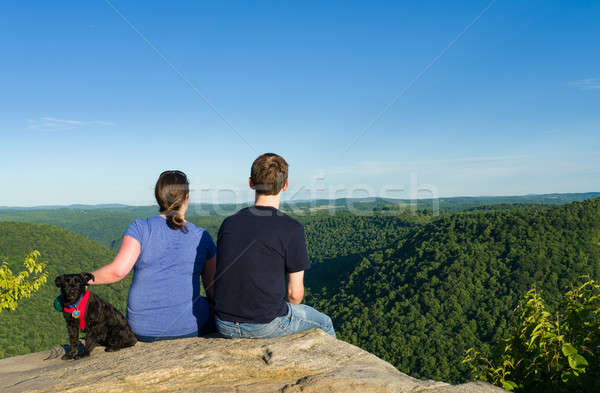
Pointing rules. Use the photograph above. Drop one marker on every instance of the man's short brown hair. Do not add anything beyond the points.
(269, 173)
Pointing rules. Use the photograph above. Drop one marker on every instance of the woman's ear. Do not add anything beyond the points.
(87, 277)
(59, 281)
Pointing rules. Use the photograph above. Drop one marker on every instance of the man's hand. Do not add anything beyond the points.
(295, 287)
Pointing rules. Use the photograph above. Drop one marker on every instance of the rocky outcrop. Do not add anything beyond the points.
(308, 362)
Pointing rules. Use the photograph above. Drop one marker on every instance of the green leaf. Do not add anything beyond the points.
(577, 362)
(568, 350)
(509, 385)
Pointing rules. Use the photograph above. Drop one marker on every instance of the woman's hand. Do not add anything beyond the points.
(121, 265)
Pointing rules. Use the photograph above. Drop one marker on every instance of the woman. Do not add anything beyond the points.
(168, 255)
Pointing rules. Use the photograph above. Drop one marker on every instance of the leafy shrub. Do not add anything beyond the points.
(16, 287)
(546, 352)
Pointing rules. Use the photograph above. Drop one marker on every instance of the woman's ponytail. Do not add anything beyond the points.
(175, 220)
(171, 191)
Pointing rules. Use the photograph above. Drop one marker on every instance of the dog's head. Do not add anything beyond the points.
(72, 286)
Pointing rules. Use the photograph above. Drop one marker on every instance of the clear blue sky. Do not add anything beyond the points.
(91, 113)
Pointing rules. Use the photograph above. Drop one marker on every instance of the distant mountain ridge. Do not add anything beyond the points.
(552, 198)
(73, 206)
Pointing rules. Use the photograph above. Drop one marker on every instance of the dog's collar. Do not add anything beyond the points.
(77, 310)
(78, 301)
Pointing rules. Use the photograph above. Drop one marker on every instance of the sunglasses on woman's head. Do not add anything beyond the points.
(174, 173)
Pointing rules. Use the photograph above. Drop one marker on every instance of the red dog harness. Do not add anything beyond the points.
(77, 310)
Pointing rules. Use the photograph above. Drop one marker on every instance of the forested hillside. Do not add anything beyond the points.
(342, 234)
(328, 236)
(453, 283)
(106, 223)
(102, 225)
(35, 325)
(414, 289)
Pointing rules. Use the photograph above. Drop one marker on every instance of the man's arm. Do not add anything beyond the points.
(208, 276)
(295, 287)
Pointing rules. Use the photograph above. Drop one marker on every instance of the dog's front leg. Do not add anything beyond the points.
(90, 344)
(73, 330)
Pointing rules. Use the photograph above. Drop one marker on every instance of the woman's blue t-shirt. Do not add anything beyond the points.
(164, 298)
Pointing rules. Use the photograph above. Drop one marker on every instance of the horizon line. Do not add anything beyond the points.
(110, 205)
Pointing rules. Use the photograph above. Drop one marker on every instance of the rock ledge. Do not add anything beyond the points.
(308, 362)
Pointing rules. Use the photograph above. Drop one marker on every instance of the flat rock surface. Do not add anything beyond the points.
(307, 362)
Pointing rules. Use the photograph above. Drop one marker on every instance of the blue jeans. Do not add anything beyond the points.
(151, 339)
(207, 328)
(300, 317)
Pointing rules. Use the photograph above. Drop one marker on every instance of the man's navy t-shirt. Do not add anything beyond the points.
(256, 248)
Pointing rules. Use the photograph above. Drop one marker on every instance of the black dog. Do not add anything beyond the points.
(99, 320)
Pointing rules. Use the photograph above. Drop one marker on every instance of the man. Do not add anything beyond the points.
(257, 248)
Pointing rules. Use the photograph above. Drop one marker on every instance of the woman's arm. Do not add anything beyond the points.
(121, 265)
(208, 275)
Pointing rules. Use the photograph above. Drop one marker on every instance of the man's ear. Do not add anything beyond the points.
(87, 277)
(251, 183)
(59, 281)
(286, 185)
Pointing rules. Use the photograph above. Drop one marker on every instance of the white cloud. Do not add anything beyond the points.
(586, 84)
(54, 124)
